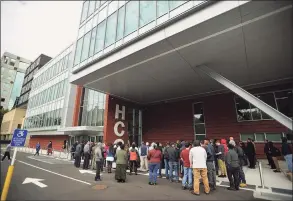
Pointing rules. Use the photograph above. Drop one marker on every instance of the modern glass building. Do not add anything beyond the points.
(187, 69)
(28, 77)
(12, 75)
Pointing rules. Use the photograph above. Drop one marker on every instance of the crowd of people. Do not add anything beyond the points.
(195, 162)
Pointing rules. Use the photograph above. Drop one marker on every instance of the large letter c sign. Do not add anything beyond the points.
(119, 123)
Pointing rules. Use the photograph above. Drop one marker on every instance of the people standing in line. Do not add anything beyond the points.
(93, 166)
(216, 156)
(7, 152)
(274, 153)
(154, 157)
(73, 148)
(77, 155)
(86, 152)
(166, 160)
(121, 164)
(266, 150)
(211, 164)
(49, 148)
(243, 147)
(38, 147)
(173, 156)
(233, 168)
(198, 158)
(143, 152)
(133, 159)
(110, 157)
(160, 147)
(250, 149)
(222, 150)
(187, 181)
(287, 153)
(241, 159)
(99, 161)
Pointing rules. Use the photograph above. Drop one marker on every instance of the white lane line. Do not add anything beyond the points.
(61, 175)
(31, 157)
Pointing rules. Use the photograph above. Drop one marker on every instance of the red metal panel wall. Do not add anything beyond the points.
(57, 141)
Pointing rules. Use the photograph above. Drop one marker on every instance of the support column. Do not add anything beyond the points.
(272, 112)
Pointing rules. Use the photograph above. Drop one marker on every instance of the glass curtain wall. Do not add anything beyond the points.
(109, 22)
(92, 108)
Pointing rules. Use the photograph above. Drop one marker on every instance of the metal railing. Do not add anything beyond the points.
(262, 183)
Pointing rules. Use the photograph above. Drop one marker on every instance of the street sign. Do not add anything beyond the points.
(19, 138)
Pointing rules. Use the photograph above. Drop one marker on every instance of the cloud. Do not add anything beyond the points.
(37, 27)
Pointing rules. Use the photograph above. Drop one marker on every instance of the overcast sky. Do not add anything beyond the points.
(33, 27)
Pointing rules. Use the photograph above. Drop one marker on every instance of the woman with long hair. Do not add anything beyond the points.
(110, 157)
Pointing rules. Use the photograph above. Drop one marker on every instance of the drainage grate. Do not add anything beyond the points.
(99, 187)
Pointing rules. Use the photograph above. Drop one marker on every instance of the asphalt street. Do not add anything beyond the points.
(60, 180)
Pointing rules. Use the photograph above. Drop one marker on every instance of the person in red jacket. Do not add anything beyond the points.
(154, 157)
(187, 170)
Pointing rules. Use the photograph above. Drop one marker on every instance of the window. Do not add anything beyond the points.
(112, 7)
(175, 4)
(262, 136)
(283, 100)
(12, 62)
(92, 45)
(120, 23)
(245, 136)
(131, 17)
(111, 30)
(86, 46)
(100, 37)
(198, 121)
(92, 5)
(97, 4)
(275, 137)
(102, 15)
(147, 12)
(162, 8)
(84, 11)
(278, 100)
(78, 51)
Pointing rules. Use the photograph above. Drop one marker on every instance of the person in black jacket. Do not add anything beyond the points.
(266, 150)
(274, 153)
(287, 153)
(243, 147)
(250, 153)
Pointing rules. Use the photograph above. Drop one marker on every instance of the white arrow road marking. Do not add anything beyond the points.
(34, 181)
(87, 171)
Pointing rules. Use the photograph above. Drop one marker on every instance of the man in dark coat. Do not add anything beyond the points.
(250, 153)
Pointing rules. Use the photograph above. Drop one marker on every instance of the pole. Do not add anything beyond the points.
(261, 175)
(8, 177)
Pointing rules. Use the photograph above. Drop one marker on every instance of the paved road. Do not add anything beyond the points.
(64, 182)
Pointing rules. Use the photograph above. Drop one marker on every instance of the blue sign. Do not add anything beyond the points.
(19, 137)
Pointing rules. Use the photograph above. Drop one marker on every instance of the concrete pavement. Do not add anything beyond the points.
(64, 182)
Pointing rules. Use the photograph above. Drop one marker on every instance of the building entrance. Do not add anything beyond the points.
(134, 118)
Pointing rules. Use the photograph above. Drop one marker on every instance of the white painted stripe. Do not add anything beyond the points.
(61, 175)
(31, 157)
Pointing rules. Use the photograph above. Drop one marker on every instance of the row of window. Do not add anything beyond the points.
(198, 121)
(262, 136)
(120, 23)
(47, 119)
(26, 87)
(89, 8)
(279, 100)
(51, 72)
(29, 76)
(49, 94)
(33, 66)
(23, 98)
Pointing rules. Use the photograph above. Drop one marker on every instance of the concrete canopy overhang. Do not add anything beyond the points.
(83, 130)
(250, 44)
